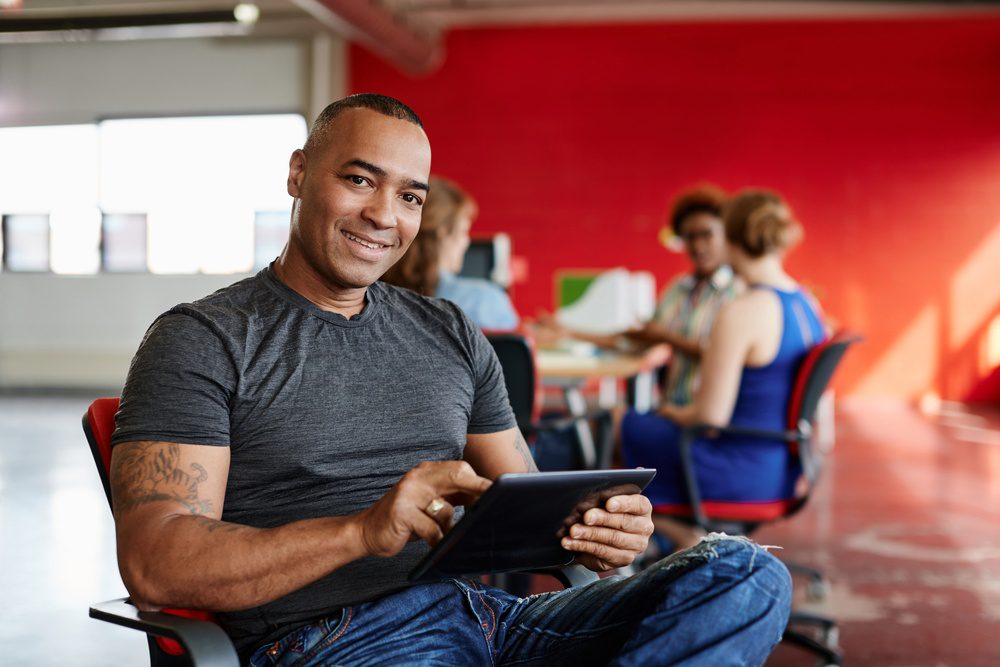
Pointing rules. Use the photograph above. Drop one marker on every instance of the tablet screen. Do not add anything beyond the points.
(518, 523)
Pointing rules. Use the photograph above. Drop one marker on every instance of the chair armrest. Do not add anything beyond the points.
(206, 643)
(746, 431)
(571, 575)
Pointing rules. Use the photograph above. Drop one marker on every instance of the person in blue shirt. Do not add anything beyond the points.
(431, 265)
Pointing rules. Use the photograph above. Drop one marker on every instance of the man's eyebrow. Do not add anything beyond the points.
(380, 172)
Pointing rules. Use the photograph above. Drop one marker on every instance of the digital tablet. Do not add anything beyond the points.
(518, 523)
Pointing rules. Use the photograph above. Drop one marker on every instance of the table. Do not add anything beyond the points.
(569, 370)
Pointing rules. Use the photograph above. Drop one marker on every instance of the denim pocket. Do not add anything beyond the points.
(304, 643)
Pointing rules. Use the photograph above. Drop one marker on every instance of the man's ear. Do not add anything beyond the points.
(296, 172)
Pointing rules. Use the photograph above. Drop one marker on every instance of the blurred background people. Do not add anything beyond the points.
(684, 316)
(747, 375)
(431, 265)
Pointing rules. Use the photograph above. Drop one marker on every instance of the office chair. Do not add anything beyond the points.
(516, 354)
(182, 637)
(742, 518)
(176, 637)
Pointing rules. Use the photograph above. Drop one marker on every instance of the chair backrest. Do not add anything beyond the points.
(99, 425)
(814, 376)
(517, 359)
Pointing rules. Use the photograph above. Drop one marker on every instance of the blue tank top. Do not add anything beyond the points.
(764, 392)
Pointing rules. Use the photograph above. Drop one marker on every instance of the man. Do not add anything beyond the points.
(689, 306)
(287, 447)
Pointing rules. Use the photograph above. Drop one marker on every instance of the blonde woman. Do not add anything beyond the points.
(431, 265)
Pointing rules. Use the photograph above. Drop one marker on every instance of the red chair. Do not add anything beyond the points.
(176, 636)
(742, 518)
(182, 637)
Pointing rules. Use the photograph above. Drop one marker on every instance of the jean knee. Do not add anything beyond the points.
(767, 581)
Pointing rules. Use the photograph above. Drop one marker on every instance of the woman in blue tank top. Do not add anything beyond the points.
(748, 372)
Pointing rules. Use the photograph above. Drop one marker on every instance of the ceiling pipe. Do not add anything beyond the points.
(380, 30)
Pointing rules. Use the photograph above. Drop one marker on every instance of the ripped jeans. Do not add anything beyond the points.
(722, 602)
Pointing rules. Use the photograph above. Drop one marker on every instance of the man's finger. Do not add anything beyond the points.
(632, 523)
(615, 538)
(630, 504)
(441, 511)
(448, 478)
(426, 528)
(608, 554)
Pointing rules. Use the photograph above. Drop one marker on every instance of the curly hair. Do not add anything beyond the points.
(704, 198)
(419, 268)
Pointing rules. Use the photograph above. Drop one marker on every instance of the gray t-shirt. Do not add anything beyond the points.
(322, 414)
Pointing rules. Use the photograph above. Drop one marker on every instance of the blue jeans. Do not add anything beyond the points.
(722, 602)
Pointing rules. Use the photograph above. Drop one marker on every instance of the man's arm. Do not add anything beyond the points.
(174, 550)
(492, 454)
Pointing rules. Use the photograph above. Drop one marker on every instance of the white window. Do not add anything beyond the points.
(26, 242)
(123, 242)
(168, 195)
(50, 172)
(199, 181)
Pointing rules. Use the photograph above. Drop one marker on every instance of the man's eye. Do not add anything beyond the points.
(357, 180)
(412, 199)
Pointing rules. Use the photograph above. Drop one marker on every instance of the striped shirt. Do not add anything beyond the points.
(689, 308)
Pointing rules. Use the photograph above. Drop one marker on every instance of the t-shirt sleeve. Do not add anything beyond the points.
(491, 411)
(179, 385)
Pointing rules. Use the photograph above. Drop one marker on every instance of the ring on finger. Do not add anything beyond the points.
(434, 507)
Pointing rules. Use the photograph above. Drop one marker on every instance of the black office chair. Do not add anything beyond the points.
(590, 435)
(743, 518)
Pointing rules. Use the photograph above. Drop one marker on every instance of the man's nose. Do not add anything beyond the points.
(380, 210)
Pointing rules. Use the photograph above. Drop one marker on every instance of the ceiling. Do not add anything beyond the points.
(407, 31)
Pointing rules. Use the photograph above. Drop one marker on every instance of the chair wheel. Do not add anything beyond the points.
(817, 590)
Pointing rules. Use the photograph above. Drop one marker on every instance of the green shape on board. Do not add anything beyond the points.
(572, 286)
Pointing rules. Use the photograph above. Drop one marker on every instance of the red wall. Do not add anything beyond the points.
(883, 135)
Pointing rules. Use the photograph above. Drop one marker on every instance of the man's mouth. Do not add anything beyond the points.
(368, 244)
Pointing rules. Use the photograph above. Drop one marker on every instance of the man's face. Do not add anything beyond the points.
(704, 239)
(359, 194)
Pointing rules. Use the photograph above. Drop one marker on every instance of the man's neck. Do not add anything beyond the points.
(300, 277)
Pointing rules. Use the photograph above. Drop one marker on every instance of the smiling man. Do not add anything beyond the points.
(289, 446)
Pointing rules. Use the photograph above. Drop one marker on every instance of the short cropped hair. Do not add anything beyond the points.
(705, 198)
(383, 104)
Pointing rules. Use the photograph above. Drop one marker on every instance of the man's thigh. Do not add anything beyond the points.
(715, 597)
(429, 625)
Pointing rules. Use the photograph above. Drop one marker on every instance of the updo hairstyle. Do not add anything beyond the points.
(759, 223)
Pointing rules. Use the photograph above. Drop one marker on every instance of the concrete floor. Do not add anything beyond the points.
(906, 524)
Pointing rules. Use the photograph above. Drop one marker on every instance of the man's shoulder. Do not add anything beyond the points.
(431, 315)
(228, 308)
(406, 300)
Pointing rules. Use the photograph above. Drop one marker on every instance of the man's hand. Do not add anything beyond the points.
(407, 512)
(612, 537)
